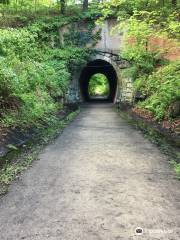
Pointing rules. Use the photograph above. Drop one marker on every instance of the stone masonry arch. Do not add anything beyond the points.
(109, 64)
(94, 67)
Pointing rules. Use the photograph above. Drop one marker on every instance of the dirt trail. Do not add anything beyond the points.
(100, 180)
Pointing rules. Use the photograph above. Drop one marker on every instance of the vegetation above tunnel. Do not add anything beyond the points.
(35, 68)
(153, 33)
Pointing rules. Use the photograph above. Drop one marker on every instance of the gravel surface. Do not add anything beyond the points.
(100, 180)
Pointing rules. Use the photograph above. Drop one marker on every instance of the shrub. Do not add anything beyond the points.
(162, 88)
(34, 75)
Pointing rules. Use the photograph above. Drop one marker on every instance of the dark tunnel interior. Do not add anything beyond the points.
(93, 67)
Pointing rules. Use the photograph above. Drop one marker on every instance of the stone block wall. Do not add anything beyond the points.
(126, 89)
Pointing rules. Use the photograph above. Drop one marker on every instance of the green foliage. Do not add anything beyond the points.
(124, 9)
(98, 85)
(136, 49)
(141, 21)
(32, 85)
(18, 42)
(9, 172)
(176, 166)
(34, 73)
(83, 37)
(177, 169)
(161, 88)
(142, 62)
(20, 13)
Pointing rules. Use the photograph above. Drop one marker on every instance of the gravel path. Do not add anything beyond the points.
(100, 180)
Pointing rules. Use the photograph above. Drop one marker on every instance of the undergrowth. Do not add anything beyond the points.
(162, 89)
(151, 33)
(36, 68)
(176, 167)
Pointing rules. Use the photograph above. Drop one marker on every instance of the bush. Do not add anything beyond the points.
(33, 86)
(162, 88)
(35, 69)
(34, 75)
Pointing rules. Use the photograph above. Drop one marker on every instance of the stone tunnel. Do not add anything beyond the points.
(107, 61)
(110, 65)
(93, 67)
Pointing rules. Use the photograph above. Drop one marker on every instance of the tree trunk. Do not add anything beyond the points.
(4, 1)
(85, 5)
(174, 3)
(35, 5)
(62, 3)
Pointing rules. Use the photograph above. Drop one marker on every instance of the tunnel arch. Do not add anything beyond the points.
(94, 67)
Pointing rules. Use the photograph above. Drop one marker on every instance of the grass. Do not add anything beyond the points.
(10, 171)
(176, 168)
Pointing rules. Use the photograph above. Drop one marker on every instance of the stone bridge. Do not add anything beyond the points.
(106, 61)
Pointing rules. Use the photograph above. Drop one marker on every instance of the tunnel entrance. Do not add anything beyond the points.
(98, 67)
(98, 88)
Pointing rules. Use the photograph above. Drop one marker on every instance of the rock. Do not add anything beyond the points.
(174, 109)
(139, 96)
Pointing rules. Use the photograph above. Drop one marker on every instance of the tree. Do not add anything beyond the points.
(85, 5)
(62, 6)
(5, 1)
(174, 3)
(62, 3)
